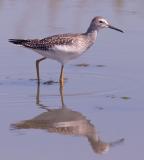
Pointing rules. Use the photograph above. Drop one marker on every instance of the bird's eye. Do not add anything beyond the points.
(100, 21)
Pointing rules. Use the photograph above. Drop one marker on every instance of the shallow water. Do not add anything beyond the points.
(99, 113)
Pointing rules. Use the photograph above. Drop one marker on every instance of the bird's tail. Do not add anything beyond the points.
(18, 41)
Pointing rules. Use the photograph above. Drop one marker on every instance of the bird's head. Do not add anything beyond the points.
(98, 23)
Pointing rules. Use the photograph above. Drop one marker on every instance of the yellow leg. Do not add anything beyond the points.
(62, 94)
(37, 68)
(61, 79)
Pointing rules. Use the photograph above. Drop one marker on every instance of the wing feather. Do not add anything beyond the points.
(49, 42)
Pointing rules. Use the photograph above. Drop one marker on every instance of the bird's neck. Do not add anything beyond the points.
(91, 35)
(92, 28)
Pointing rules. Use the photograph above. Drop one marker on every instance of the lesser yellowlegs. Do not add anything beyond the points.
(65, 47)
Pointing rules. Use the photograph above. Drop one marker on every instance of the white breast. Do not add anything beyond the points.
(62, 53)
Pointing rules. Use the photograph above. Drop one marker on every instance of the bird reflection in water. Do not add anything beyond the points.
(67, 122)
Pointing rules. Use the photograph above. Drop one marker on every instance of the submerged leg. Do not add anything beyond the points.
(37, 68)
(61, 79)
